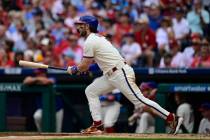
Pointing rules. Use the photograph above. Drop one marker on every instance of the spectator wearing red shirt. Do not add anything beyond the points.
(5, 62)
(192, 51)
(121, 28)
(202, 61)
(168, 7)
(146, 37)
(4, 16)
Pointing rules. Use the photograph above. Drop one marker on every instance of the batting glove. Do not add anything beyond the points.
(72, 70)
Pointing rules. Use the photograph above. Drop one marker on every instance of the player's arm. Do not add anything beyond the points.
(84, 64)
(81, 67)
(29, 80)
(87, 59)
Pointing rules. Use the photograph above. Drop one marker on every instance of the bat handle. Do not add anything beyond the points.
(57, 68)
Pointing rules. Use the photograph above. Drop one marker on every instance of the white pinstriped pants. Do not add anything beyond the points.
(124, 80)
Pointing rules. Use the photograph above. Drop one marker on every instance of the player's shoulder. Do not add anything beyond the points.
(204, 121)
(90, 40)
(95, 39)
(185, 105)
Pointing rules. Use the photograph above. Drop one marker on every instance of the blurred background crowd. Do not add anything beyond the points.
(148, 33)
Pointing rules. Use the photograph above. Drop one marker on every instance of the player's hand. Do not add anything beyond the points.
(69, 70)
(72, 70)
(85, 73)
(110, 98)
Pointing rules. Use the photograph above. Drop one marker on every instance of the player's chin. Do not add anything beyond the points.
(83, 34)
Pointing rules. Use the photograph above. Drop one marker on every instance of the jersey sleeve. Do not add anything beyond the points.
(180, 111)
(88, 50)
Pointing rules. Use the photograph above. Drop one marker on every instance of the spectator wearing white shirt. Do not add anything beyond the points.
(72, 15)
(180, 26)
(163, 35)
(57, 8)
(177, 56)
(204, 127)
(131, 50)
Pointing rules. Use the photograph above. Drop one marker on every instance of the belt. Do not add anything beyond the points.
(115, 68)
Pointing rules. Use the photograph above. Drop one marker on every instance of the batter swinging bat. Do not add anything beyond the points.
(38, 65)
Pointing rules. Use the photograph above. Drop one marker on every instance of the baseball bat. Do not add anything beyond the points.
(39, 65)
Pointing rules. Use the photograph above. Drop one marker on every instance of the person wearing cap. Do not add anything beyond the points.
(40, 78)
(198, 18)
(145, 36)
(144, 116)
(204, 126)
(131, 50)
(116, 74)
(185, 110)
(110, 108)
(180, 25)
(192, 51)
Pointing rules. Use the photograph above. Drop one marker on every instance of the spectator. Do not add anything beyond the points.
(177, 56)
(164, 34)
(155, 17)
(167, 60)
(110, 109)
(15, 26)
(57, 8)
(73, 52)
(107, 26)
(145, 36)
(184, 110)
(131, 50)
(203, 60)
(72, 15)
(58, 31)
(180, 26)
(168, 7)
(5, 62)
(198, 18)
(21, 45)
(121, 28)
(132, 10)
(29, 20)
(18, 56)
(142, 114)
(2, 35)
(204, 127)
(42, 79)
(193, 51)
(145, 9)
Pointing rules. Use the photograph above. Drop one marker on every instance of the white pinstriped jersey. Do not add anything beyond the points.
(103, 52)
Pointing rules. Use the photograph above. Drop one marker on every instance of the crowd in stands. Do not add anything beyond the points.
(148, 33)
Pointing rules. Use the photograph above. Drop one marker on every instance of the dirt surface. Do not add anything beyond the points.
(44, 136)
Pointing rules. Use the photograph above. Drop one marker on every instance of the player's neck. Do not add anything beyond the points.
(88, 33)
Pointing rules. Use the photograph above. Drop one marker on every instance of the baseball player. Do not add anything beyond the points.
(185, 110)
(143, 115)
(110, 109)
(116, 74)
